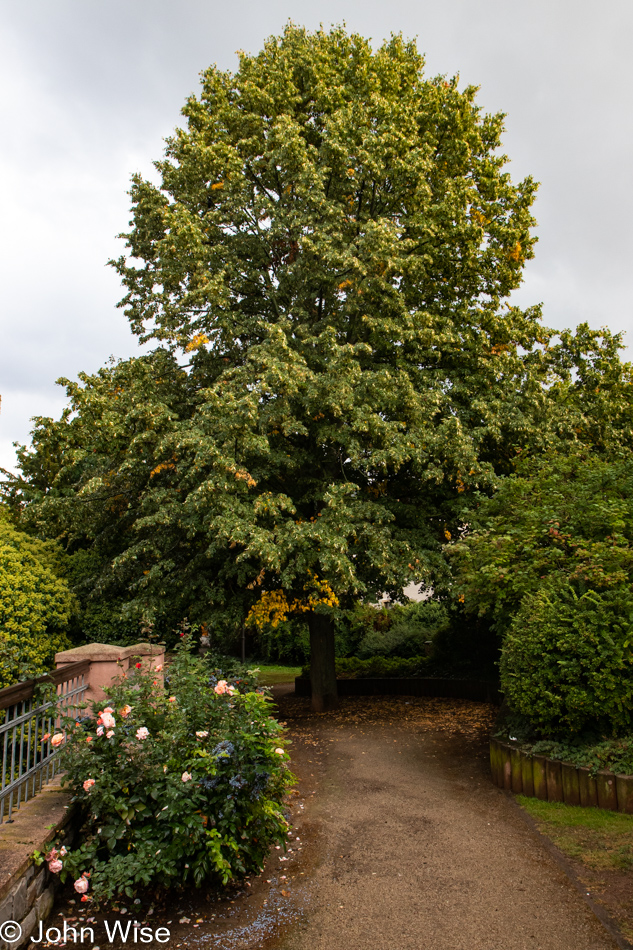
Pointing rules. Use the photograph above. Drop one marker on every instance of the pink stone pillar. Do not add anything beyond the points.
(108, 662)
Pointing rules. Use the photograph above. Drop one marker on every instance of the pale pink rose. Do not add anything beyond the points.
(55, 866)
(57, 739)
(88, 784)
(63, 851)
(172, 699)
(100, 730)
(142, 733)
(125, 712)
(52, 854)
(279, 751)
(108, 709)
(81, 885)
(221, 688)
(186, 776)
(108, 720)
(109, 734)
(202, 735)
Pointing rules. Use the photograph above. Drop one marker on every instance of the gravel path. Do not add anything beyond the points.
(417, 849)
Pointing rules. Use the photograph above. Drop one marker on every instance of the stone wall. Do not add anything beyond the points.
(27, 892)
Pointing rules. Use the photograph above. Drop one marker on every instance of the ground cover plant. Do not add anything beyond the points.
(181, 783)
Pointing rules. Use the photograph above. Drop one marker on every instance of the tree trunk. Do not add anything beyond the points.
(322, 668)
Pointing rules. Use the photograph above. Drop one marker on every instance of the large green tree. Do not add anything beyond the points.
(324, 266)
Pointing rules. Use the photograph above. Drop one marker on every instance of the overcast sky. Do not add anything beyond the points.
(89, 90)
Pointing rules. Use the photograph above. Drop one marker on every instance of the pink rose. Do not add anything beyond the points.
(88, 784)
(172, 699)
(186, 776)
(57, 739)
(142, 733)
(81, 885)
(55, 866)
(221, 688)
(100, 730)
(108, 709)
(279, 751)
(108, 720)
(109, 734)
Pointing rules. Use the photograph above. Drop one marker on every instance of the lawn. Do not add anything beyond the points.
(598, 839)
(270, 674)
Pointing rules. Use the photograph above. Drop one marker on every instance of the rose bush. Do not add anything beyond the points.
(182, 782)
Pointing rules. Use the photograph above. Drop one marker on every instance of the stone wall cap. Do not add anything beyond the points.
(107, 652)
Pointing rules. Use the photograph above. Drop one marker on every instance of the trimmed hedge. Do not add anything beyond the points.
(378, 667)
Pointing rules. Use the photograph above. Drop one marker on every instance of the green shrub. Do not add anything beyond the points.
(404, 631)
(378, 666)
(567, 660)
(35, 605)
(186, 786)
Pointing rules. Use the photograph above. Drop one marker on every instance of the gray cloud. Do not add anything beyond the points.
(88, 92)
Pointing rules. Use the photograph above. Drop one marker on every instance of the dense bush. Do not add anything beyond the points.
(36, 605)
(567, 660)
(404, 631)
(181, 783)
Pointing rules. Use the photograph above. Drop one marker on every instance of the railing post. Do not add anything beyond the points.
(108, 662)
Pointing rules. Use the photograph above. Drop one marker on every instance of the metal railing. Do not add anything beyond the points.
(28, 759)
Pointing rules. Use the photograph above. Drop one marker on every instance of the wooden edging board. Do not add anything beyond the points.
(538, 776)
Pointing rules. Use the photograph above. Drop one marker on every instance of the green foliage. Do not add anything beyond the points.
(548, 562)
(288, 642)
(331, 241)
(409, 632)
(616, 755)
(36, 605)
(567, 659)
(564, 517)
(352, 667)
(197, 798)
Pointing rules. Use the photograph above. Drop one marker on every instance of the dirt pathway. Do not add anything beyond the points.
(399, 841)
(417, 848)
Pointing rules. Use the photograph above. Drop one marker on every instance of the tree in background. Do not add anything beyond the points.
(324, 268)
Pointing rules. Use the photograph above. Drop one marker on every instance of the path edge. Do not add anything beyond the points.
(607, 921)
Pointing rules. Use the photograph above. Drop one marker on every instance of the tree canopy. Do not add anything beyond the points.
(325, 268)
